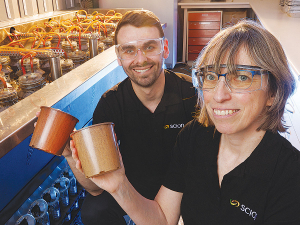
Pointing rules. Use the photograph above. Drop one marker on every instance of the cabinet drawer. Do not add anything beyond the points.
(205, 25)
(195, 49)
(198, 41)
(192, 56)
(203, 33)
(204, 16)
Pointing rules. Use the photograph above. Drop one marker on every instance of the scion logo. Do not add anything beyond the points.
(174, 126)
(244, 209)
(234, 203)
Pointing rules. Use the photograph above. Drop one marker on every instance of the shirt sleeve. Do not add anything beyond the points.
(283, 204)
(103, 112)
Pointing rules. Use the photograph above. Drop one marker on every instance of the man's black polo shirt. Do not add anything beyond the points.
(264, 189)
(147, 139)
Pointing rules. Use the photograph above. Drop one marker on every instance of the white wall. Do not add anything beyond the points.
(166, 10)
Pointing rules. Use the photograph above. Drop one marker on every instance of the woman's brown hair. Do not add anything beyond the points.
(266, 52)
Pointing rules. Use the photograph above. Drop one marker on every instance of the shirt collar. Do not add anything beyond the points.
(171, 94)
(262, 161)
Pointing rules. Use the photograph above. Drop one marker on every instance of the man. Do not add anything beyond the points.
(148, 109)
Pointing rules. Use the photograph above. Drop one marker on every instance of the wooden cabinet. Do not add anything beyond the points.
(202, 26)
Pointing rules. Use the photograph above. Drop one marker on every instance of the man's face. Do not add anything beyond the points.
(142, 70)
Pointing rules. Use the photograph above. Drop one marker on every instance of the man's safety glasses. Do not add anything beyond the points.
(149, 47)
(244, 79)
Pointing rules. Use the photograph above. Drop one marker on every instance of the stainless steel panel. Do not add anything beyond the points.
(59, 5)
(12, 9)
(28, 8)
(48, 5)
(44, 6)
(3, 15)
(70, 4)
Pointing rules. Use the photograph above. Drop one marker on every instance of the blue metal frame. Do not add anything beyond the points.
(22, 163)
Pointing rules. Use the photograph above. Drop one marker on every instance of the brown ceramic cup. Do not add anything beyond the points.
(97, 149)
(52, 130)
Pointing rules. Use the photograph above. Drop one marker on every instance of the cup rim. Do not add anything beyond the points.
(94, 125)
(58, 110)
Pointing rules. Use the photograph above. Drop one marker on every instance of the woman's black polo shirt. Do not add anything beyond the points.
(264, 189)
(147, 139)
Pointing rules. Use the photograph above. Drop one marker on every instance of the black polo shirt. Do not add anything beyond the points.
(146, 139)
(264, 189)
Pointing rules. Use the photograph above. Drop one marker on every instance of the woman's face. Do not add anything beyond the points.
(236, 113)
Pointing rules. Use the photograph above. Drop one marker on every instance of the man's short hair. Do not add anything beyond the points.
(139, 18)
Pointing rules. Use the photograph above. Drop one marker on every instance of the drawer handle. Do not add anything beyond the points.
(204, 23)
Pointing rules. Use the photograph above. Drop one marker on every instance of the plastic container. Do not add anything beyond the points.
(39, 210)
(63, 184)
(51, 196)
(73, 183)
(26, 219)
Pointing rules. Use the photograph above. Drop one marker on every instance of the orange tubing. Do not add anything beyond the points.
(48, 25)
(8, 36)
(29, 54)
(79, 39)
(17, 42)
(59, 38)
(37, 28)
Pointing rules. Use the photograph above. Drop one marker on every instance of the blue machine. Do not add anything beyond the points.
(24, 169)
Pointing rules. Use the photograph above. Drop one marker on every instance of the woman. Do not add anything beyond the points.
(230, 165)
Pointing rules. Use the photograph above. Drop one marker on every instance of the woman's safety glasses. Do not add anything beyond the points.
(149, 47)
(243, 79)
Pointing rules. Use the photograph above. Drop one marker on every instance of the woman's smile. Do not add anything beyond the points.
(224, 112)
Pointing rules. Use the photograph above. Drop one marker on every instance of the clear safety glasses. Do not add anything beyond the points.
(244, 79)
(149, 47)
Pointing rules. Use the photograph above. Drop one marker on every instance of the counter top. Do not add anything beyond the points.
(283, 27)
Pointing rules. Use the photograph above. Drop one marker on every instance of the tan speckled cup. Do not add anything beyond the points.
(97, 149)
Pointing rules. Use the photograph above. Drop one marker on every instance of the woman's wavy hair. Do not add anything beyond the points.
(266, 52)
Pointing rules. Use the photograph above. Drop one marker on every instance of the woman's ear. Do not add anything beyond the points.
(270, 100)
